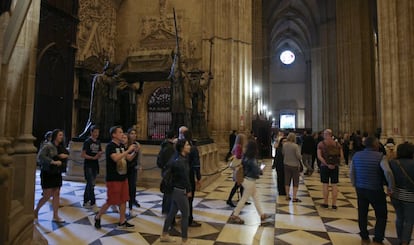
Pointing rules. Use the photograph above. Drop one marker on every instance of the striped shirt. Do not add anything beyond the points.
(404, 189)
(366, 171)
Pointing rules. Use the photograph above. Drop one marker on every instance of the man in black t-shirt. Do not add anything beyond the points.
(116, 176)
(91, 152)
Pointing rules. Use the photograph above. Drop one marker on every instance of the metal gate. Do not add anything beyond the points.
(159, 113)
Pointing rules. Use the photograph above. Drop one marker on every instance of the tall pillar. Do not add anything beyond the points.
(17, 153)
(355, 66)
(395, 39)
(228, 23)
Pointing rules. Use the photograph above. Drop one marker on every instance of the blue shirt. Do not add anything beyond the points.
(366, 171)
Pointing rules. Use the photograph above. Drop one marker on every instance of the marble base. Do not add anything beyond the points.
(150, 176)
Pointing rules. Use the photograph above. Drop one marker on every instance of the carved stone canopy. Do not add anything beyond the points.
(147, 65)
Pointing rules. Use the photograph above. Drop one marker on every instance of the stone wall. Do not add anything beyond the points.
(18, 47)
(150, 176)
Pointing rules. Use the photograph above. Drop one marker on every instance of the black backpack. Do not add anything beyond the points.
(165, 154)
(166, 185)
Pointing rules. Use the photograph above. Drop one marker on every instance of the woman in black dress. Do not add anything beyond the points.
(280, 169)
(52, 161)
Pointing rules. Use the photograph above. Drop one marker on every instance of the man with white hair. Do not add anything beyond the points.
(181, 132)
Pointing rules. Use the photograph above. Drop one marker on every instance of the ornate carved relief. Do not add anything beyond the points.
(158, 33)
(97, 29)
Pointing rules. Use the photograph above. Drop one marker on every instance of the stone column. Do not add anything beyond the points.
(17, 161)
(355, 66)
(395, 38)
(323, 57)
(228, 24)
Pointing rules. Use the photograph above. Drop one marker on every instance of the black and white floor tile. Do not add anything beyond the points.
(291, 223)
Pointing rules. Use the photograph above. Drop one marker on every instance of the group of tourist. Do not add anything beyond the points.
(123, 156)
(372, 167)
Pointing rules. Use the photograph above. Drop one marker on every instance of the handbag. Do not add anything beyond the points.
(235, 162)
(239, 172)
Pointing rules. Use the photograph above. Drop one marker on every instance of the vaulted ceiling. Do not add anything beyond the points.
(295, 23)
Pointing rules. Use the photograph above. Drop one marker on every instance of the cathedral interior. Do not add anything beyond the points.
(298, 64)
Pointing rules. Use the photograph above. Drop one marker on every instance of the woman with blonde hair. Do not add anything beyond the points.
(237, 152)
(292, 161)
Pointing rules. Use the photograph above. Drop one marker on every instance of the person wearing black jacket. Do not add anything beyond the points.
(307, 150)
(166, 153)
(280, 168)
(194, 173)
(182, 190)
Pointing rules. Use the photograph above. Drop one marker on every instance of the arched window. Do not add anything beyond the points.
(159, 113)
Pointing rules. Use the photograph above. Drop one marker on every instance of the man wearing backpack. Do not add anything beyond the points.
(330, 154)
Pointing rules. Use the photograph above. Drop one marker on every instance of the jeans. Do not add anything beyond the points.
(378, 201)
(404, 220)
(132, 186)
(249, 191)
(179, 202)
(90, 177)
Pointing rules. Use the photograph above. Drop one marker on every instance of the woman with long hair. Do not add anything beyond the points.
(181, 191)
(402, 197)
(51, 173)
(280, 169)
(133, 166)
(251, 174)
(237, 152)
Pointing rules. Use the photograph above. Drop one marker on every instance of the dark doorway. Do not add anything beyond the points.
(55, 67)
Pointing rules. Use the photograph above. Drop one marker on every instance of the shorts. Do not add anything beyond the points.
(117, 192)
(327, 173)
(49, 180)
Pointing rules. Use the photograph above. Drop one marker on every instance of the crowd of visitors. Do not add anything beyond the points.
(373, 167)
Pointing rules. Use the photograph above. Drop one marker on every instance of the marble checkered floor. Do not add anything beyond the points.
(291, 223)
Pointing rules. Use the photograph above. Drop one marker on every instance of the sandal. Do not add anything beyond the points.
(287, 199)
(296, 200)
(236, 220)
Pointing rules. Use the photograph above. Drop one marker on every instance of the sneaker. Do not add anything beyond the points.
(166, 238)
(132, 213)
(97, 223)
(95, 208)
(194, 224)
(87, 205)
(137, 204)
(58, 220)
(125, 225)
